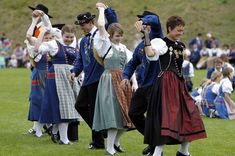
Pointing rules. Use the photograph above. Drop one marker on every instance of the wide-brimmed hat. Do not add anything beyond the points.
(145, 13)
(42, 8)
(84, 18)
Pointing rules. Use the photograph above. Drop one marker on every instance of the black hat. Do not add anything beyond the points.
(59, 26)
(84, 18)
(42, 8)
(145, 13)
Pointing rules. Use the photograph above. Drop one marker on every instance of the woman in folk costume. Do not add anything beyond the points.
(112, 103)
(224, 105)
(172, 117)
(58, 106)
(39, 72)
(209, 94)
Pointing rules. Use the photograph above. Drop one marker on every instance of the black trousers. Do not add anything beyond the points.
(85, 105)
(138, 107)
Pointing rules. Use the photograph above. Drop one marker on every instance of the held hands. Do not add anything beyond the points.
(37, 13)
(124, 83)
(140, 27)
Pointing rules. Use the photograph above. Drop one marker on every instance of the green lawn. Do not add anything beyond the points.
(14, 90)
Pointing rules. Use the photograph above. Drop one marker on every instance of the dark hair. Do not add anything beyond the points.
(68, 28)
(227, 71)
(173, 22)
(115, 27)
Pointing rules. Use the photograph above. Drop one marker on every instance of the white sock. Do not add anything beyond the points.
(184, 148)
(112, 133)
(119, 134)
(55, 129)
(38, 129)
(63, 129)
(158, 151)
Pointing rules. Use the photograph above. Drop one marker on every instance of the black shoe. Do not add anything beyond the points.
(180, 154)
(47, 130)
(119, 149)
(55, 138)
(107, 153)
(92, 146)
(147, 150)
(62, 143)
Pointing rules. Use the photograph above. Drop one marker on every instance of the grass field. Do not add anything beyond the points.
(14, 90)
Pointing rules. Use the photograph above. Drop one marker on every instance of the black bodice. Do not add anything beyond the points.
(173, 59)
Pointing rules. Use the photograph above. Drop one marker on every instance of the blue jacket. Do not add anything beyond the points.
(147, 70)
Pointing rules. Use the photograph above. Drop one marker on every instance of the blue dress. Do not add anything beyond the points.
(51, 109)
(38, 80)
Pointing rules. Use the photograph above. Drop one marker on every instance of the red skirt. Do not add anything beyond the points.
(172, 116)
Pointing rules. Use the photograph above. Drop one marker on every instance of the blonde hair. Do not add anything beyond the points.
(216, 75)
(68, 29)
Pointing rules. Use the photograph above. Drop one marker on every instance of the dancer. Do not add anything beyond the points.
(147, 72)
(172, 117)
(58, 106)
(112, 103)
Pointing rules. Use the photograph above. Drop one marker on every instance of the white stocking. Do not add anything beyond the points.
(63, 129)
(184, 148)
(112, 133)
(119, 134)
(158, 151)
(38, 129)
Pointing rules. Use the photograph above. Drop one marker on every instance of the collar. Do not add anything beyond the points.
(93, 30)
(73, 44)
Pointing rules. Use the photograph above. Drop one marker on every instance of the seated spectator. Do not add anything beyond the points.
(209, 93)
(12, 62)
(188, 72)
(197, 95)
(214, 52)
(197, 40)
(225, 106)
(2, 61)
(204, 54)
(232, 54)
(208, 41)
(225, 50)
(218, 66)
(195, 55)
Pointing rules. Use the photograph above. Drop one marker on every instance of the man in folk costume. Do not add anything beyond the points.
(86, 62)
(147, 73)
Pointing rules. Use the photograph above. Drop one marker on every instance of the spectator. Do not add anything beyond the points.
(195, 55)
(224, 105)
(188, 72)
(217, 67)
(12, 62)
(225, 50)
(208, 41)
(204, 53)
(19, 53)
(197, 40)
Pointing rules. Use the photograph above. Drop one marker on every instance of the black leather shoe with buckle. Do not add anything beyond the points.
(119, 149)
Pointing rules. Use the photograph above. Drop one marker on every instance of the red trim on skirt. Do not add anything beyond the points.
(180, 117)
(50, 75)
(35, 82)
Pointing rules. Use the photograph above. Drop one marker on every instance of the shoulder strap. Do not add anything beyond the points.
(106, 53)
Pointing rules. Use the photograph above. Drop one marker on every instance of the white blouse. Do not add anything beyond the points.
(226, 85)
(52, 48)
(159, 48)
